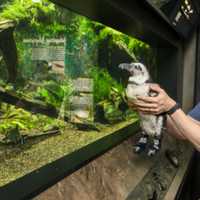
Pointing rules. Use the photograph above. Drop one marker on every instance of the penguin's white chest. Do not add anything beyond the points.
(133, 91)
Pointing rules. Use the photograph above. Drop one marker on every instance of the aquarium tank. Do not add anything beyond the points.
(60, 85)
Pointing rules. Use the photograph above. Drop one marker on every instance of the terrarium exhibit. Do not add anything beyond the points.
(60, 85)
(69, 70)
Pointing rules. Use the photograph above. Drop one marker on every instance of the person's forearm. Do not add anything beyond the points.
(173, 130)
(187, 127)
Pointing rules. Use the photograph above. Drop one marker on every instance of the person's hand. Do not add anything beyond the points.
(132, 104)
(154, 105)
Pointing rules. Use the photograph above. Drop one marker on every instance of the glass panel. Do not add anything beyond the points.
(60, 84)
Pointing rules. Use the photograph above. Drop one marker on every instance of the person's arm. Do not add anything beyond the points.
(173, 130)
(187, 127)
(195, 121)
(194, 115)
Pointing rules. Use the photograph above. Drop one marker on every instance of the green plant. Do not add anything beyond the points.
(103, 84)
(34, 19)
(54, 93)
(109, 94)
(111, 106)
(26, 10)
(13, 135)
(136, 49)
(14, 122)
(12, 117)
(82, 46)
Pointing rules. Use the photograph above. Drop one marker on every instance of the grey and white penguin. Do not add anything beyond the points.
(151, 125)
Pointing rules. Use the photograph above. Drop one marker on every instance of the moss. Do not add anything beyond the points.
(17, 161)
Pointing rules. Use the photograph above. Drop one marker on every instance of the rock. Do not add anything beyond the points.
(170, 155)
(5, 25)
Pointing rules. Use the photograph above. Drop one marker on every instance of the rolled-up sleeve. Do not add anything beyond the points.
(195, 112)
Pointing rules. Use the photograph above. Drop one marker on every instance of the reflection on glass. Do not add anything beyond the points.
(166, 6)
(182, 14)
(60, 85)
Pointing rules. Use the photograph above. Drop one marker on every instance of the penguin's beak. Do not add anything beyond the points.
(124, 66)
(127, 67)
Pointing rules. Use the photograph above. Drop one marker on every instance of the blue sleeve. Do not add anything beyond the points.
(195, 112)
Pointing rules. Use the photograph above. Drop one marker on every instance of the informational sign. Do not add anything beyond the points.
(81, 104)
(83, 85)
(48, 53)
(47, 49)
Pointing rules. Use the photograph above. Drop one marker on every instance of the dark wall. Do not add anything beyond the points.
(110, 56)
(197, 82)
(169, 70)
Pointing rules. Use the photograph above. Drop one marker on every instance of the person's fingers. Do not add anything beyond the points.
(156, 88)
(146, 109)
(148, 112)
(145, 113)
(148, 99)
(150, 109)
(131, 104)
(147, 105)
(154, 84)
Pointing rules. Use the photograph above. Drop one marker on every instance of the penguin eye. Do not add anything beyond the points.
(139, 68)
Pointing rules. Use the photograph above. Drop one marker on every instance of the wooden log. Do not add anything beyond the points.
(22, 139)
(28, 105)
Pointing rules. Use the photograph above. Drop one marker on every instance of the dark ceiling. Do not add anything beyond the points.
(160, 25)
(133, 17)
